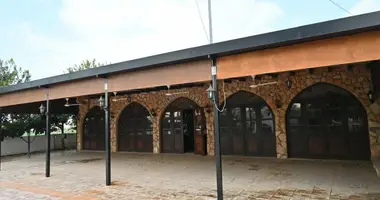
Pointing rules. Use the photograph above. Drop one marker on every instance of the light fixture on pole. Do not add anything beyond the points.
(101, 103)
(42, 109)
(210, 92)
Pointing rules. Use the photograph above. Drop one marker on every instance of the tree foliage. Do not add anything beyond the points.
(15, 125)
(59, 121)
(11, 74)
(85, 64)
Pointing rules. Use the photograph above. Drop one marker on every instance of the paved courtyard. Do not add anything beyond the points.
(80, 176)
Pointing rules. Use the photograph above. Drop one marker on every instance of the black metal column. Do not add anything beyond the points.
(218, 156)
(107, 133)
(28, 144)
(47, 166)
(1, 132)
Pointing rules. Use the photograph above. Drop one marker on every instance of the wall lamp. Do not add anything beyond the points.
(288, 83)
(371, 97)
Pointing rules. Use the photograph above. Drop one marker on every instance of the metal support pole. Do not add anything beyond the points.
(210, 20)
(218, 156)
(28, 144)
(47, 167)
(1, 132)
(107, 131)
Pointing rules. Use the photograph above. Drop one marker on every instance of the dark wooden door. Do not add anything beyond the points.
(333, 127)
(172, 132)
(358, 140)
(267, 133)
(248, 130)
(237, 131)
(135, 129)
(199, 132)
(317, 130)
(225, 134)
(94, 130)
(252, 140)
(337, 129)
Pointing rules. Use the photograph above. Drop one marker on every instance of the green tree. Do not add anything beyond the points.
(85, 64)
(11, 74)
(14, 125)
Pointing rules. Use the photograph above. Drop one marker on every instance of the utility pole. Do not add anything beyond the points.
(218, 156)
(210, 20)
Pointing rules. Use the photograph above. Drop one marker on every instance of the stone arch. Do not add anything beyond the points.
(172, 138)
(168, 102)
(257, 128)
(143, 142)
(357, 84)
(334, 135)
(254, 92)
(359, 97)
(83, 110)
(267, 94)
(119, 111)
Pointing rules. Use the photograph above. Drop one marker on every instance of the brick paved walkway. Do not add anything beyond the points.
(80, 176)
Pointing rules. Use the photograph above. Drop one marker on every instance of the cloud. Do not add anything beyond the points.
(119, 30)
(365, 6)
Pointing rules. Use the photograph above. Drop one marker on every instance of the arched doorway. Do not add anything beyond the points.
(327, 122)
(183, 128)
(94, 130)
(135, 129)
(247, 126)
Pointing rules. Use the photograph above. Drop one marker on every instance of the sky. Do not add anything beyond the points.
(48, 36)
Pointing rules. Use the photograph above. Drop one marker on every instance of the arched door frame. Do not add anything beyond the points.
(100, 136)
(146, 139)
(259, 144)
(176, 114)
(353, 100)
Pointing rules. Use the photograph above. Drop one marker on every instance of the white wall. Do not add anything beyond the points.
(12, 146)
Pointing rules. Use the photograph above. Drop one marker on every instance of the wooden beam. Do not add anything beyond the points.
(335, 51)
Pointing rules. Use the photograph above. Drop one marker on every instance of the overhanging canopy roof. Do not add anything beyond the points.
(323, 30)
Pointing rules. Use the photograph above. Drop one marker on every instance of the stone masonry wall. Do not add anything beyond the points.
(356, 80)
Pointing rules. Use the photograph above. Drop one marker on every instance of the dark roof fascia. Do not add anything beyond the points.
(322, 30)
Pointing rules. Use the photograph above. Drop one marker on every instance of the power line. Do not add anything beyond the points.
(203, 25)
(333, 2)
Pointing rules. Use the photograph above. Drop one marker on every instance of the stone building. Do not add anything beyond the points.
(332, 91)
(306, 92)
